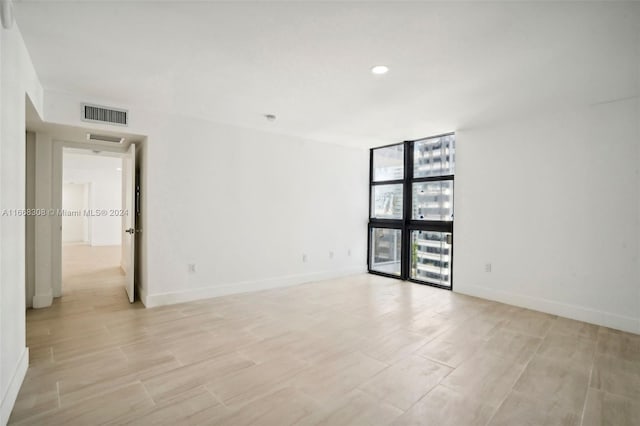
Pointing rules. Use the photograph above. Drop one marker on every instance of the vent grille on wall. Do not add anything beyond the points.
(100, 114)
(104, 138)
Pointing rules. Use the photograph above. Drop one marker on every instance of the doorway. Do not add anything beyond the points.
(47, 145)
(92, 198)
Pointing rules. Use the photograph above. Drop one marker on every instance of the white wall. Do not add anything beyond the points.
(30, 222)
(17, 79)
(75, 198)
(45, 228)
(244, 206)
(552, 202)
(103, 176)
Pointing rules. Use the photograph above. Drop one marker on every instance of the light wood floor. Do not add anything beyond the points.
(363, 350)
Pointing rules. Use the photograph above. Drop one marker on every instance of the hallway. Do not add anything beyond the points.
(95, 270)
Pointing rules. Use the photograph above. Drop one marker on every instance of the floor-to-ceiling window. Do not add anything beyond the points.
(387, 209)
(411, 210)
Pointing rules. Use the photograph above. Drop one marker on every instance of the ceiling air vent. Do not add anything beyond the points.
(104, 138)
(99, 114)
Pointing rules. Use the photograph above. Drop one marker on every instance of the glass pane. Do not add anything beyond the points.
(434, 157)
(385, 250)
(386, 201)
(431, 257)
(388, 163)
(433, 201)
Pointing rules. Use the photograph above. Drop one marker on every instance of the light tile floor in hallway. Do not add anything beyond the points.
(363, 350)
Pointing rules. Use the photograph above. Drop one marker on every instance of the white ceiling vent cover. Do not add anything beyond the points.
(101, 114)
(104, 138)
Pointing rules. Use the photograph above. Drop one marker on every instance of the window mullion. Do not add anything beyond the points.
(408, 175)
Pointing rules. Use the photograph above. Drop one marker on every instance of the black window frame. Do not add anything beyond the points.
(407, 224)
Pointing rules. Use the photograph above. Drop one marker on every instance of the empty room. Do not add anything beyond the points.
(320, 213)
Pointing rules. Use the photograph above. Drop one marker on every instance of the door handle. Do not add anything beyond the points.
(130, 231)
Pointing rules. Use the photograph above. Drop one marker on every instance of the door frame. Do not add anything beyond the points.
(57, 181)
(44, 144)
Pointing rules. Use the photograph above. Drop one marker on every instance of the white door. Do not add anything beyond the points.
(129, 218)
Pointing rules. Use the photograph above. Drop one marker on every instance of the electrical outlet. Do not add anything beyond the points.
(192, 268)
(487, 267)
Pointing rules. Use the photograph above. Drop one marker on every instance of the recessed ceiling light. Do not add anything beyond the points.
(380, 69)
(119, 169)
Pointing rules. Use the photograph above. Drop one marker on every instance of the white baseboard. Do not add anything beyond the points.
(153, 300)
(9, 398)
(42, 300)
(580, 313)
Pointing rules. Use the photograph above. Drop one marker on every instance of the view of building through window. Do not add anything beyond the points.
(387, 201)
(433, 200)
(386, 250)
(388, 163)
(434, 157)
(431, 257)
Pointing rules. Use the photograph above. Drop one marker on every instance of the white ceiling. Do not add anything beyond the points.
(453, 65)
